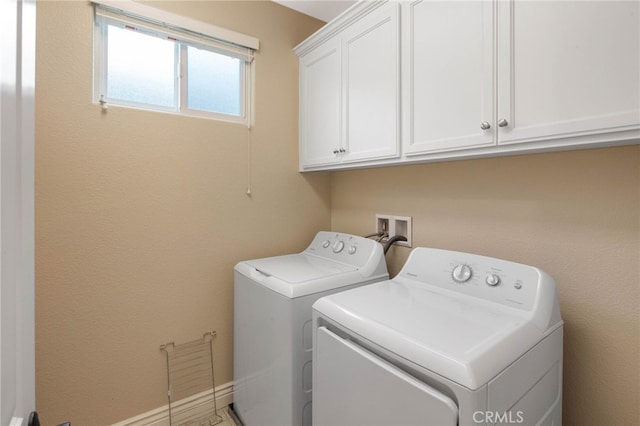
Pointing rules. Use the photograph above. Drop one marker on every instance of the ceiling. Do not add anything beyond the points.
(325, 10)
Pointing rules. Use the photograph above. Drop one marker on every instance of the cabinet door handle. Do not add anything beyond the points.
(335, 151)
(503, 123)
(342, 150)
(485, 125)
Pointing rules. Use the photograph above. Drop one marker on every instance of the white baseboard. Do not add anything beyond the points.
(201, 401)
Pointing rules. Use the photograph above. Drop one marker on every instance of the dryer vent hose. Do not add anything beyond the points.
(392, 241)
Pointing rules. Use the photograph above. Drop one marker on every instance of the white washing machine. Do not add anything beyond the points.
(454, 339)
(272, 322)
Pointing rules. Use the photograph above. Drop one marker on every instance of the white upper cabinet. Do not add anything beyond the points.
(568, 70)
(321, 104)
(372, 87)
(350, 90)
(490, 77)
(447, 75)
(478, 78)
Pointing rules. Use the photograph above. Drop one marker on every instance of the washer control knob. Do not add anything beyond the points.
(338, 246)
(353, 249)
(493, 280)
(461, 273)
(326, 244)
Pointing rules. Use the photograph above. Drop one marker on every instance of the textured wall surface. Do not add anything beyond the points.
(575, 215)
(141, 216)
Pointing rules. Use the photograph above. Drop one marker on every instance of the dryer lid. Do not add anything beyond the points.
(467, 343)
(461, 315)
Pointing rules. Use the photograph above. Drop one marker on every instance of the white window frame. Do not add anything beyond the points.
(186, 32)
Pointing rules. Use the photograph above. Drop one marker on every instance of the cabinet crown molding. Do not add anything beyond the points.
(342, 21)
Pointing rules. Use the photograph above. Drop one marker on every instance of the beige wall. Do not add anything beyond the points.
(141, 216)
(574, 214)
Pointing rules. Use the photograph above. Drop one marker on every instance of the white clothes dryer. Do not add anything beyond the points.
(454, 339)
(272, 322)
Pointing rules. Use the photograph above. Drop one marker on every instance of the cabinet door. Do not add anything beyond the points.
(372, 86)
(447, 75)
(320, 104)
(568, 69)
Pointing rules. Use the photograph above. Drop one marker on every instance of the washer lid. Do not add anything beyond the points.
(297, 268)
(466, 340)
(298, 275)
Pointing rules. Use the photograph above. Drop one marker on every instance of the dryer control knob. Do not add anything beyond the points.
(353, 249)
(326, 244)
(338, 246)
(461, 273)
(493, 280)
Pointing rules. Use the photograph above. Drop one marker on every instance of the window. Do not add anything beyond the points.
(141, 61)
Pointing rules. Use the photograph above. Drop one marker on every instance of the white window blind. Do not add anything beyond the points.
(152, 59)
(179, 28)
